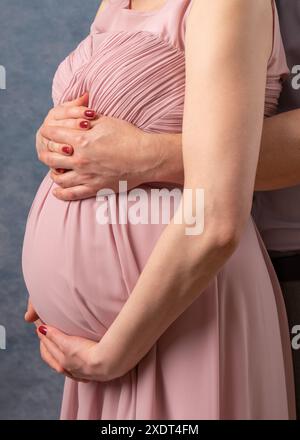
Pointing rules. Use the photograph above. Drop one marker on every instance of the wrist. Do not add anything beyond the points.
(161, 157)
(104, 364)
(151, 157)
(98, 366)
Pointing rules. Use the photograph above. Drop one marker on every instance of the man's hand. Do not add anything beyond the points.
(99, 151)
(118, 151)
(109, 151)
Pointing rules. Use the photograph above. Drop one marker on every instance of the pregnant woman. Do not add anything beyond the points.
(146, 321)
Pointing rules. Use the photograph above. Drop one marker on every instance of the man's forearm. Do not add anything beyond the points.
(163, 154)
(279, 161)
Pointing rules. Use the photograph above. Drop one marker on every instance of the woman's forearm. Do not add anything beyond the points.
(231, 107)
(279, 160)
(169, 284)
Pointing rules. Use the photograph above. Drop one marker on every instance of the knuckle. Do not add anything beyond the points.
(71, 195)
(62, 196)
(87, 177)
(81, 139)
(51, 113)
(56, 178)
(58, 195)
(91, 365)
(93, 190)
(73, 352)
(66, 194)
(80, 161)
(43, 157)
(52, 146)
(62, 184)
(64, 363)
(71, 111)
(50, 161)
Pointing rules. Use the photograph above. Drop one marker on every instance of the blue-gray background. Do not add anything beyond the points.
(35, 35)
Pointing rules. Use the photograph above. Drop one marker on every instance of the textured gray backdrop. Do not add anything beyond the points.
(35, 35)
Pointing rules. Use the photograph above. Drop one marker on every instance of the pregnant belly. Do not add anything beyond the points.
(79, 273)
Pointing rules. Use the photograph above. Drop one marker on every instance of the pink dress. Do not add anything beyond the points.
(228, 355)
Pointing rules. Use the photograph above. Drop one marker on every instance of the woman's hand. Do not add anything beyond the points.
(31, 316)
(74, 114)
(75, 357)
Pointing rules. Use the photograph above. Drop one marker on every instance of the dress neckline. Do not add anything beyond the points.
(127, 10)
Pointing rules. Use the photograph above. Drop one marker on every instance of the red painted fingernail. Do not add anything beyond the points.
(60, 170)
(43, 330)
(84, 124)
(67, 150)
(90, 113)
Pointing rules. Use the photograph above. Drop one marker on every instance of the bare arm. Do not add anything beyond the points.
(231, 108)
(221, 157)
(279, 160)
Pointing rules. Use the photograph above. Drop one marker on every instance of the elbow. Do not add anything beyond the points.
(221, 231)
(217, 242)
(212, 249)
(224, 226)
(224, 238)
(227, 236)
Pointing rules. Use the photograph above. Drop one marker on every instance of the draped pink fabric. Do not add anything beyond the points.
(228, 355)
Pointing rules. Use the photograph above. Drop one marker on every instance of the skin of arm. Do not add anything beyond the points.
(155, 157)
(279, 161)
(278, 164)
(225, 88)
(230, 103)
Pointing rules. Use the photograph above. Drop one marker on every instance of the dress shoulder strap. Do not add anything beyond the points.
(168, 21)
